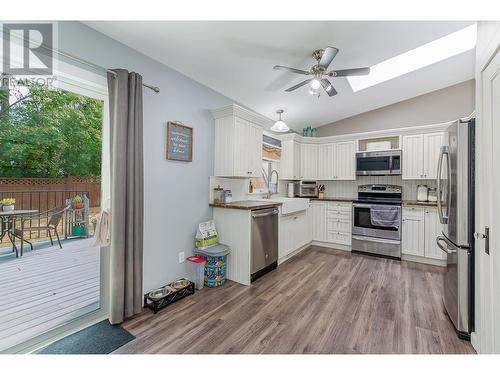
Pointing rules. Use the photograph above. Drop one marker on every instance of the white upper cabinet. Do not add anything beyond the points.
(413, 158)
(432, 148)
(336, 161)
(238, 143)
(326, 162)
(344, 161)
(420, 155)
(308, 161)
(290, 160)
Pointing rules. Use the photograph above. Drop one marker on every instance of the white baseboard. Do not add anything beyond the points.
(417, 259)
(293, 253)
(331, 245)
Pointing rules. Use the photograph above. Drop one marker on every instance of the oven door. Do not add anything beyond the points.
(362, 223)
(378, 163)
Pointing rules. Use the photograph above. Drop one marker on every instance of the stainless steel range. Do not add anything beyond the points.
(376, 220)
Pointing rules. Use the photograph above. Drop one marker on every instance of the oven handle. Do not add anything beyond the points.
(361, 205)
(367, 205)
(378, 240)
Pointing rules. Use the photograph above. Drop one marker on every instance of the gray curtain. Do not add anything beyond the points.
(127, 195)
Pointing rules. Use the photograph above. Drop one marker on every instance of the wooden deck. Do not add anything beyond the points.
(46, 288)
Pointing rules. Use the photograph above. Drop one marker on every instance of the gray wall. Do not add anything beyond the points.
(176, 193)
(438, 106)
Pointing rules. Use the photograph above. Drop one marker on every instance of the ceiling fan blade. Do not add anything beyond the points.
(299, 85)
(293, 70)
(328, 87)
(328, 55)
(349, 72)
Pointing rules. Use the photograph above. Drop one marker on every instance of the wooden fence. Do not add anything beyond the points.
(49, 192)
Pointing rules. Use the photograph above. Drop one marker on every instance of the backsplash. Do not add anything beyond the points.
(349, 189)
(335, 189)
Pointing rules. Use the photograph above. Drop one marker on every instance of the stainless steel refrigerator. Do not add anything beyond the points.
(455, 186)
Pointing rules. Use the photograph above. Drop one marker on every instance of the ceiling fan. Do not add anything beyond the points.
(323, 57)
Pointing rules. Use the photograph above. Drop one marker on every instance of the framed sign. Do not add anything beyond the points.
(179, 142)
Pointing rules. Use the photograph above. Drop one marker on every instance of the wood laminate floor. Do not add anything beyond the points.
(320, 301)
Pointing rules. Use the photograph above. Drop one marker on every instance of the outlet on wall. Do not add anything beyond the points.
(181, 257)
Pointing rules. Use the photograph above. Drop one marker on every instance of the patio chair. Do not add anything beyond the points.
(55, 216)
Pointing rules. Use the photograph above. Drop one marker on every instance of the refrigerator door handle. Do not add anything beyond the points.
(444, 248)
(442, 218)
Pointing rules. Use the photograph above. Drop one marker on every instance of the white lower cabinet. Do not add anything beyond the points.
(295, 232)
(420, 228)
(318, 211)
(432, 230)
(332, 222)
(413, 231)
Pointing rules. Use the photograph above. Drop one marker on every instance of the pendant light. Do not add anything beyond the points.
(280, 126)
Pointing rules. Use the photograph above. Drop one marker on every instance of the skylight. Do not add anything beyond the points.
(440, 49)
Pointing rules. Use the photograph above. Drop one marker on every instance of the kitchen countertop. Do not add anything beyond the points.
(334, 199)
(419, 203)
(247, 205)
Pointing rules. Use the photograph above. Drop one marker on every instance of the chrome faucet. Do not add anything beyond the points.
(269, 178)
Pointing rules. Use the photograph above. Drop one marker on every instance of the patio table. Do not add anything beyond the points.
(8, 219)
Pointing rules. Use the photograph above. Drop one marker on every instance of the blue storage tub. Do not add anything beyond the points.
(215, 265)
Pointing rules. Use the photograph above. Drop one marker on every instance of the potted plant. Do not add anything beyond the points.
(77, 202)
(7, 204)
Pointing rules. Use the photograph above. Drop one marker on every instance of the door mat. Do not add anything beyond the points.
(101, 338)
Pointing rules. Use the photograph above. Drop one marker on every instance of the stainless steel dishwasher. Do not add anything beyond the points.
(264, 241)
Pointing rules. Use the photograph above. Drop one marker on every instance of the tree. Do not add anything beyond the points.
(50, 133)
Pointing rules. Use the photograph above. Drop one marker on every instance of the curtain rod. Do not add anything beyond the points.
(88, 63)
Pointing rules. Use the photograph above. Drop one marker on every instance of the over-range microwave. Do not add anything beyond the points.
(378, 163)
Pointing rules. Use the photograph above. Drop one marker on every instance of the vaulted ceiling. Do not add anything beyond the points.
(236, 58)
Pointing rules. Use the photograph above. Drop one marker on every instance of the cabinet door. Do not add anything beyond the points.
(285, 236)
(308, 161)
(286, 162)
(432, 230)
(255, 151)
(326, 161)
(241, 147)
(290, 161)
(432, 147)
(296, 160)
(309, 222)
(344, 161)
(319, 221)
(413, 157)
(413, 233)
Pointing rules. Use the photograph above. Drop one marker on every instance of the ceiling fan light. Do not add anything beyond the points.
(280, 127)
(315, 84)
(314, 92)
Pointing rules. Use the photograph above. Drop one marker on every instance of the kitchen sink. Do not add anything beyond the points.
(290, 205)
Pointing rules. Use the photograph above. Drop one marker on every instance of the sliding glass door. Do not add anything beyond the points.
(54, 174)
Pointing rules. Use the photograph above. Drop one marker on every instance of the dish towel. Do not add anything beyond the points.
(384, 216)
(102, 231)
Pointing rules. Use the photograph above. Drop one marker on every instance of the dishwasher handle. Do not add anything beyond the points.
(268, 213)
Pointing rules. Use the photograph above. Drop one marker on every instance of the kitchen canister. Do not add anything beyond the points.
(422, 192)
(432, 195)
(290, 189)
